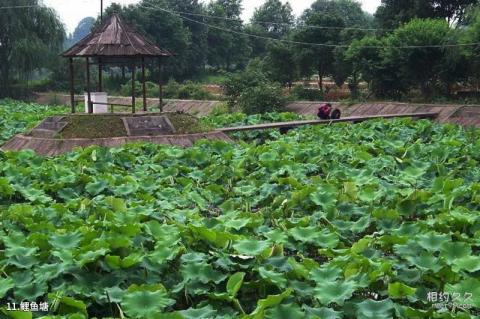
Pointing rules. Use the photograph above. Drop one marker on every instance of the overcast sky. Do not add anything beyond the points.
(71, 12)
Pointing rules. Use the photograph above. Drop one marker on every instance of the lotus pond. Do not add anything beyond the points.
(374, 220)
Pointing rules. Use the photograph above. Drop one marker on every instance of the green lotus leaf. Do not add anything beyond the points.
(451, 251)
(361, 245)
(325, 198)
(201, 272)
(30, 291)
(273, 277)
(35, 195)
(5, 285)
(145, 304)
(432, 241)
(234, 283)
(324, 313)
(370, 309)
(95, 188)
(277, 236)
(161, 254)
(206, 312)
(468, 263)
(68, 305)
(125, 189)
(315, 235)
(407, 207)
(466, 287)
(399, 290)
(147, 287)
(194, 257)
(215, 237)
(118, 205)
(425, 261)
(167, 234)
(416, 171)
(90, 256)
(334, 292)
(251, 247)
(269, 302)
(6, 189)
(369, 194)
(326, 275)
(66, 241)
(237, 224)
(21, 257)
(288, 311)
(350, 189)
(408, 312)
(115, 294)
(17, 314)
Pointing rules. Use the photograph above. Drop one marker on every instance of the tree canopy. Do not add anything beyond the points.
(393, 13)
(82, 30)
(30, 39)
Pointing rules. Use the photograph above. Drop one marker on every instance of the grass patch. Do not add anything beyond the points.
(93, 126)
(104, 126)
(187, 124)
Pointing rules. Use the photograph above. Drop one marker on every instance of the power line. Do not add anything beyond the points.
(283, 40)
(279, 23)
(309, 43)
(18, 7)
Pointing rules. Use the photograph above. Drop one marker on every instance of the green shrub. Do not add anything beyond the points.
(193, 91)
(262, 98)
(236, 84)
(187, 91)
(170, 90)
(301, 93)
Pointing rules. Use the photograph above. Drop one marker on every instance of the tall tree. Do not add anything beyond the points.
(82, 30)
(472, 52)
(196, 53)
(393, 13)
(273, 19)
(349, 10)
(30, 39)
(318, 58)
(452, 10)
(279, 63)
(165, 29)
(331, 17)
(227, 47)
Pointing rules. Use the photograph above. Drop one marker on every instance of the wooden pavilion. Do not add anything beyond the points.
(115, 42)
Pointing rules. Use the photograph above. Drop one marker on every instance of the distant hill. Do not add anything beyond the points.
(83, 29)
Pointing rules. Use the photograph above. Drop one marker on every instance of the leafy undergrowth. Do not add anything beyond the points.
(341, 221)
(17, 117)
(240, 119)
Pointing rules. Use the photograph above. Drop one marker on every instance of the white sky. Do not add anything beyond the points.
(72, 11)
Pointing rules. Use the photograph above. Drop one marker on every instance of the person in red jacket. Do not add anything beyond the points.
(325, 112)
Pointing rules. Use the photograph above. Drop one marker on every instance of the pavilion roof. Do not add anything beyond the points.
(115, 38)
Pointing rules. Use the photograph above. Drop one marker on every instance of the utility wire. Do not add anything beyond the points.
(18, 7)
(308, 43)
(278, 23)
(284, 40)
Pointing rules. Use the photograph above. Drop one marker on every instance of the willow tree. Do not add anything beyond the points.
(32, 36)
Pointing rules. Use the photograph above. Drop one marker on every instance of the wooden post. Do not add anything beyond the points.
(89, 101)
(72, 86)
(160, 76)
(144, 86)
(133, 87)
(100, 84)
